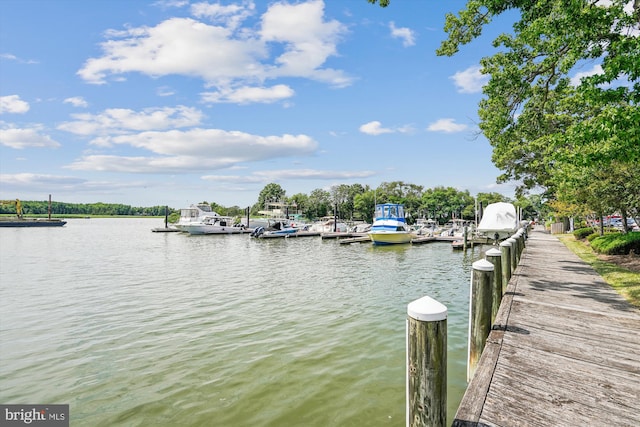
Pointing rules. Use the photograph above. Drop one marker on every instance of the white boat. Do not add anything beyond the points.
(426, 227)
(213, 225)
(389, 226)
(328, 224)
(195, 214)
(275, 228)
(499, 221)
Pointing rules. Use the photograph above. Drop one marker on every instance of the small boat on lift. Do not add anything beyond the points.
(389, 226)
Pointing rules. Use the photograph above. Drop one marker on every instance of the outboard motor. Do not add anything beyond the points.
(257, 232)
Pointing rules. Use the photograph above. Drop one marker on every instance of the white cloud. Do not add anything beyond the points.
(178, 151)
(245, 95)
(446, 126)
(470, 80)
(374, 128)
(29, 180)
(291, 174)
(120, 120)
(406, 34)
(241, 57)
(230, 16)
(23, 138)
(575, 80)
(13, 104)
(76, 101)
(165, 91)
(307, 39)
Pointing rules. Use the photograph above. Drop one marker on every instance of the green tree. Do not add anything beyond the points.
(444, 203)
(319, 204)
(365, 204)
(546, 130)
(271, 193)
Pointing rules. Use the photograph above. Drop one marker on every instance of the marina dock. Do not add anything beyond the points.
(564, 349)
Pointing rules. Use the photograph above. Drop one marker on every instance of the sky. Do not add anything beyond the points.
(177, 102)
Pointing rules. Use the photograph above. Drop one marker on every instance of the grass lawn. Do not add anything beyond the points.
(624, 281)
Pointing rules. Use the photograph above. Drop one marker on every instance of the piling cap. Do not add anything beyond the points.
(427, 309)
(482, 265)
(511, 240)
(506, 243)
(493, 252)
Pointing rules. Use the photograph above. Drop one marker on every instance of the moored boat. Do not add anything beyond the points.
(275, 228)
(389, 226)
(499, 221)
(195, 214)
(213, 225)
(31, 222)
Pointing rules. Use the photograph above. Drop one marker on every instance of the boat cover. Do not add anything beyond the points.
(498, 217)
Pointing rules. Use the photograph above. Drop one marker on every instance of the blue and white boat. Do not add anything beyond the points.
(275, 228)
(389, 225)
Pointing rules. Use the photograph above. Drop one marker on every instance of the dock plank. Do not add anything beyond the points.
(564, 349)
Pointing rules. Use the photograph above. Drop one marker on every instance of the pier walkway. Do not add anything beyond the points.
(564, 349)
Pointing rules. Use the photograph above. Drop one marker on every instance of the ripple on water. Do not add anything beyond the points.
(138, 328)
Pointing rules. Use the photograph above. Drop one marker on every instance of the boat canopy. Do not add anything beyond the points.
(390, 211)
(498, 217)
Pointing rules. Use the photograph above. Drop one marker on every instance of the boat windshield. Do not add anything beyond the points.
(390, 211)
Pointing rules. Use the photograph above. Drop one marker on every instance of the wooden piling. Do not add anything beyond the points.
(520, 244)
(464, 241)
(514, 248)
(494, 256)
(479, 312)
(505, 264)
(426, 363)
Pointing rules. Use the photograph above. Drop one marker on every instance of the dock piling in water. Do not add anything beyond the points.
(505, 264)
(426, 363)
(494, 256)
(480, 301)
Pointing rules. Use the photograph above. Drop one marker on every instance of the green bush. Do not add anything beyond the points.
(582, 233)
(617, 243)
(592, 236)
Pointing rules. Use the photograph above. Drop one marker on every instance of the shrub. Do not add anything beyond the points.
(592, 236)
(617, 243)
(582, 233)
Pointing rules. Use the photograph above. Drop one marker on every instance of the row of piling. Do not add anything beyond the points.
(427, 332)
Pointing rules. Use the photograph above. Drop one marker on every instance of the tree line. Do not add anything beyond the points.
(30, 207)
(357, 202)
(348, 202)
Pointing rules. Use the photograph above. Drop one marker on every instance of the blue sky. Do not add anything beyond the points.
(177, 102)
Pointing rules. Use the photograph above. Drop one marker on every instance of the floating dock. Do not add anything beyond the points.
(290, 235)
(165, 230)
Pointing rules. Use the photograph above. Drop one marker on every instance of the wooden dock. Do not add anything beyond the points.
(564, 349)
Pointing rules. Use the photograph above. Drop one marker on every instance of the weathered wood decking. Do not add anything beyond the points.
(564, 349)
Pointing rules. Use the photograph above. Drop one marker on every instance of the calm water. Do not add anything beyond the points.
(134, 328)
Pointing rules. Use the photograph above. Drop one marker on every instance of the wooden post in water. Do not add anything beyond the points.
(248, 215)
(479, 312)
(505, 264)
(426, 363)
(494, 256)
(464, 241)
(166, 216)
